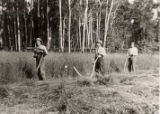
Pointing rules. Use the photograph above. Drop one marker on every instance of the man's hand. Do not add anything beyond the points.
(34, 56)
(99, 56)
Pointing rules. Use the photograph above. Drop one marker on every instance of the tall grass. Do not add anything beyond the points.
(19, 66)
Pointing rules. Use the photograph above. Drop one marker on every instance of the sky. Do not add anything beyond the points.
(131, 1)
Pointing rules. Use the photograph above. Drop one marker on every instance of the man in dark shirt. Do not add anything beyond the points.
(39, 53)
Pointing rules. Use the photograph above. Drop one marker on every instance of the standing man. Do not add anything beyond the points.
(39, 53)
(99, 56)
(132, 53)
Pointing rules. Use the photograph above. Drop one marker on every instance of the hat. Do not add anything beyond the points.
(38, 39)
(99, 41)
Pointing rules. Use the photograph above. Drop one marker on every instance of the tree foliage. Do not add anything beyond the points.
(37, 19)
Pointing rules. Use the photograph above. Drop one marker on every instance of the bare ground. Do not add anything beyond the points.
(114, 94)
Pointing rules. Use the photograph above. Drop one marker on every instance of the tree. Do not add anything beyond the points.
(85, 20)
(77, 24)
(60, 26)
(107, 20)
(69, 27)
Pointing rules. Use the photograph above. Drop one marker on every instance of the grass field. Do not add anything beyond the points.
(64, 92)
(19, 66)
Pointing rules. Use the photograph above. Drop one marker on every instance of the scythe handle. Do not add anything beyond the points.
(93, 69)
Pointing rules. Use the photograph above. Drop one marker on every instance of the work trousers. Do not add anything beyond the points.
(41, 69)
(99, 67)
(131, 63)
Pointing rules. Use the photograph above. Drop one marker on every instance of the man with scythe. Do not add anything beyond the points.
(132, 53)
(99, 58)
(39, 53)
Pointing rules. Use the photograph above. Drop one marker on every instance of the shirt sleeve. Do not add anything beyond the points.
(136, 51)
(45, 51)
(128, 52)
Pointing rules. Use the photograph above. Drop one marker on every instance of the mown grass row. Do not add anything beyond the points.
(19, 66)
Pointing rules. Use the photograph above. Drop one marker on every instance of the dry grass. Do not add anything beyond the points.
(65, 93)
(19, 66)
(121, 94)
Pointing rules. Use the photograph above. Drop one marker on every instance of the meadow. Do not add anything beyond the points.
(21, 66)
(64, 92)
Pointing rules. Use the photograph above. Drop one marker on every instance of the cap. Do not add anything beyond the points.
(99, 41)
(38, 39)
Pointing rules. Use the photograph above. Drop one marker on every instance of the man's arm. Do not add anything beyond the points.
(127, 52)
(45, 51)
(136, 52)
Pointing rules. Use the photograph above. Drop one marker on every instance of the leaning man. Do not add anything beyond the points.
(132, 53)
(39, 53)
(99, 56)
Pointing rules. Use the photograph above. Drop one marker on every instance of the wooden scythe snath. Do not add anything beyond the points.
(93, 69)
(40, 62)
(77, 71)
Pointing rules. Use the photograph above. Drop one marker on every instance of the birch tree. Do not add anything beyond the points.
(80, 36)
(86, 21)
(84, 26)
(63, 37)
(60, 25)
(18, 26)
(107, 19)
(69, 27)
(79, 28)
(9, 33)
(48, 28)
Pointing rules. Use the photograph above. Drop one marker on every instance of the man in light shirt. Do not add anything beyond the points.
(39, 53)
(132, 53)
(100, 53)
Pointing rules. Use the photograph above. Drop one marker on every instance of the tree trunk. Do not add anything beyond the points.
(97, 32)
(31, 32)
(91, 27)
(84, 35)
(15, 30)
(80, 36)
(48, 29)
(9, 34)
(18, 26)
(79, 28)
(88, 33)
(84, 26)
(63, 37)
(107, 19)
(25, 24)
(99, 23)
(69, 28)
(60, 25)
(38, 8)
(158, 28)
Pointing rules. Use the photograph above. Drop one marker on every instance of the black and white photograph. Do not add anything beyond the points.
(79, 56)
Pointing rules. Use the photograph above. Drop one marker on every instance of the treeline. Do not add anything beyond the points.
(77, 24)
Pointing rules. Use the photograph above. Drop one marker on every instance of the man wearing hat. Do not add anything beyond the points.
(39, 53)
(99, 56)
